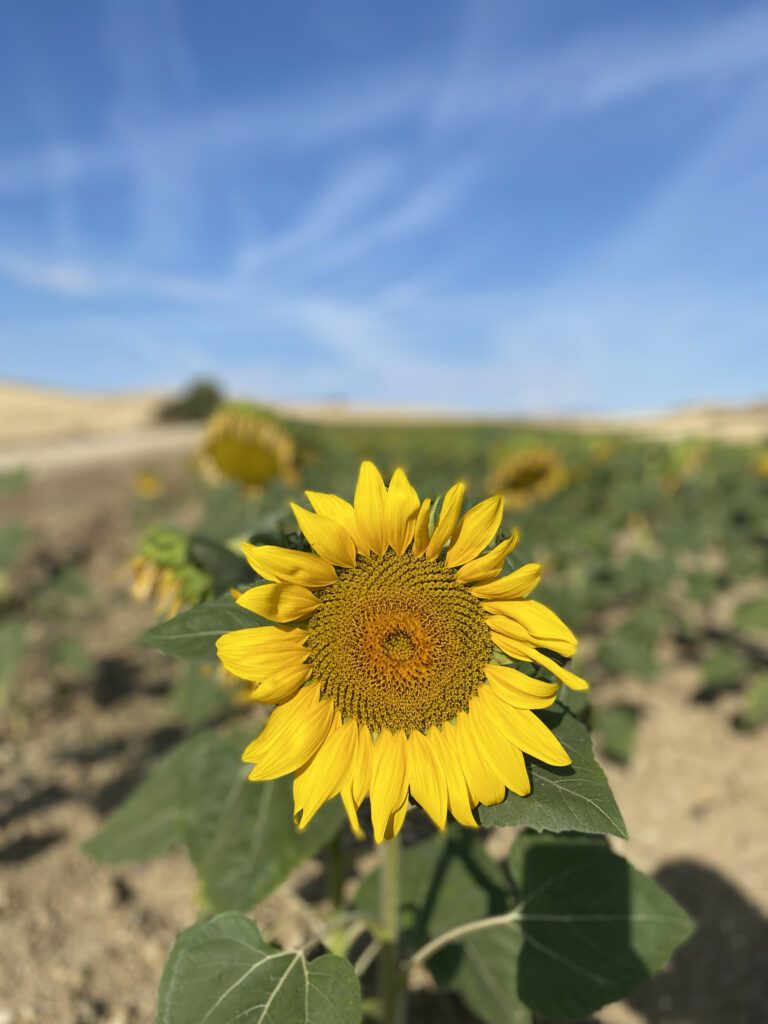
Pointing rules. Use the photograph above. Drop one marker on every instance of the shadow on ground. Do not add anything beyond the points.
(720, 976)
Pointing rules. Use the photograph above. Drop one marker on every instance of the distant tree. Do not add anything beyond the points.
(196, 403)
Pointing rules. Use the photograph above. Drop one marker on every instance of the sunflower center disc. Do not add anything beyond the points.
(399, 643)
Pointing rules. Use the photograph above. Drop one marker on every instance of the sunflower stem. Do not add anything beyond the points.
(392, 992)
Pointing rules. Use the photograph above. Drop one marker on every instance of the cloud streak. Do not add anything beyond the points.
(323, 239)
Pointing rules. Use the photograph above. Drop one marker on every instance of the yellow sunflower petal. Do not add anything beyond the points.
(327, 772)
(444, 748)
(253, 653)
(356, 788)
(489, 565)
(421, 529)
(281, 602)
(525, 651)
(475, 531)
(504, 756)
(563, 674)
(517, 584)
(539, 621)
(281, 565)
(351, 808)
(330, 540)
(515, 630)
(370, 495)
(401, 506)
(484, 785)
(396, 819)
(520, 690)
(282, 685)
(293, 734)
(426, 778)
(389, 786)
(446, 521)
(336, 508)
(361, 776)
(526, 730)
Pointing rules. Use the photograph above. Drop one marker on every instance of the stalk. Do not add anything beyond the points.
(392, 991)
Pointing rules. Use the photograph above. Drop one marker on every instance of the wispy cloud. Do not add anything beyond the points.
(363, 265)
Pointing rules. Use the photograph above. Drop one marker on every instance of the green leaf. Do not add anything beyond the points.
(12, 537)
(148, 823)
(198, 696)
(724, 668)
(752, 615)
(615, 727)
(607, 926)
(625, 652)
(240, 835)
(573, 799)
(225, 568)
(445, 880)
(755, 711)
(222, 971)
(587, 930)
(193, 633)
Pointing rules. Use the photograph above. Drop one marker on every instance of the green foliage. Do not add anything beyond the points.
(11, 653)
(240, 835)
(71, 658)
(576, 927)
(224, 568)
(753, 615)
(615, 726)
(193, 634)
(755, 711)
(446, 880)
(573, 799)
(724, 668)
(198, 696)
(196, 403)
(636, 551)
(11, 483)
(12, 536)
(222, 971)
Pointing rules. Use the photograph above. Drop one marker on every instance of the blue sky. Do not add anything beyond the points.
(496, 206)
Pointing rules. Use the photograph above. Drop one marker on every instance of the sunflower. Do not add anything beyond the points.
(529, 477)
(246, 444)
(391, 659)
(164, 574)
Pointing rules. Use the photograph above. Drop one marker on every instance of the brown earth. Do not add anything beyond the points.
(85, 943)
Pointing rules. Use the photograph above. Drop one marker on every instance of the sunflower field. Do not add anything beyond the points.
(396, 662)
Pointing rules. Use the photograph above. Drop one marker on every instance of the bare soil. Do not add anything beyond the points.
(85, 943)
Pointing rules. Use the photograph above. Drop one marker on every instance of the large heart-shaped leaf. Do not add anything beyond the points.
(222, 972)
(240, 834)
(573, 799)
(586, 929)
(148, 822)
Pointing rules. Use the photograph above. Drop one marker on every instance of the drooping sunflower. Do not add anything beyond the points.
(529, 477)
(390, 660)
(245, 443)
(164, 574)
